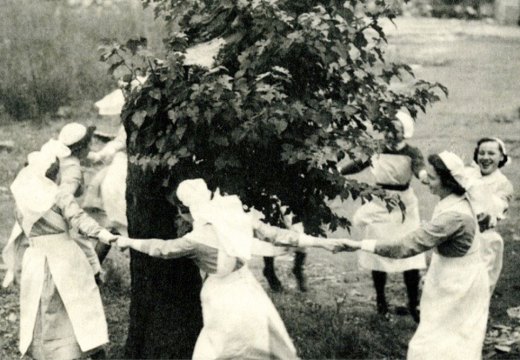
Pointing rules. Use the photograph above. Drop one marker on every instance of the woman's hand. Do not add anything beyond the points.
(349, 245)
(332, 245)
(106, 237)
(123, 242)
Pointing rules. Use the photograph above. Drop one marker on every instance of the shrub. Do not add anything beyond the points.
(48, 53)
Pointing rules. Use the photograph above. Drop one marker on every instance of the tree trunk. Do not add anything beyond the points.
(165, 310)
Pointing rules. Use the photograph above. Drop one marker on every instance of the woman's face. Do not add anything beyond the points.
(396, 136)
(488, 157)
(434, 182)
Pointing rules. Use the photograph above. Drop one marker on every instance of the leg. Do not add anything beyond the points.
(99, 354)
(411, 280)
(299, 261)
(379, 278)
(270, 274)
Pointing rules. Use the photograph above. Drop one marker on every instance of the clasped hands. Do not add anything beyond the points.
(338, 245)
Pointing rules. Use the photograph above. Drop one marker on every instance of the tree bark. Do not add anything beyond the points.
(165, 310)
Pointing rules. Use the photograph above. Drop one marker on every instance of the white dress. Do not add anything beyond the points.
(240, 321)
(61, 313)
(374, 221)
(455, 298)
(107, 190)
(491, 195)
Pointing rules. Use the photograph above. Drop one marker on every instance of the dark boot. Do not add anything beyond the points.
(411, 280)
(270, 275)
(299, 261)
(379, 279)
(100, 354)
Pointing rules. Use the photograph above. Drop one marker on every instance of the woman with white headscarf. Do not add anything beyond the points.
(455, 298)
(240, 321)
(61, 314)
(491, 193)
(393, 170)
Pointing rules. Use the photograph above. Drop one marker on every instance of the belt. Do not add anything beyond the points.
(395, 187)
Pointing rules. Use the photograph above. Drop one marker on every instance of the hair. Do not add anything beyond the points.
(53, 170)
(77, 147)
(447, 180)
(488, 139)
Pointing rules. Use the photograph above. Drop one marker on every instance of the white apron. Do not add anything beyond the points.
(75, 282)
(107, 190)
(240, 321)
(113, 191)
(454, 304)
(489, 194)
(492, 253)
(375, 222)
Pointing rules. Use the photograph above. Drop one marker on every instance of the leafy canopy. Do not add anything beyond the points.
(296, 87)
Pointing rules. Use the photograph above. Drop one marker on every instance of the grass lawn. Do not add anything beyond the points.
(336, 318)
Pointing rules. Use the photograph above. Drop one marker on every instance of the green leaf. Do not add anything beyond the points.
(138, 118)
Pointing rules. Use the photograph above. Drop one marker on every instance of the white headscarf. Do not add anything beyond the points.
(502, 147)
(407, 122)
(457, 168)
(33, 192)
(226, 214)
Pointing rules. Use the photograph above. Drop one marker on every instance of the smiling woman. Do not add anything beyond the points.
(491, 194)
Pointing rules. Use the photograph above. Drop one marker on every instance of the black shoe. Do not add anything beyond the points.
(101, 354)
(272, 280)
(382, 308)
(415, 313)
(301, 279)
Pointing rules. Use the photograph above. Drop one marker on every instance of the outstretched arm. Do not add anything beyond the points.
(284, 237)
(165, 249)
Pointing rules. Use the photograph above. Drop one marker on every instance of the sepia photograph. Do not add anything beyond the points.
(259, 179)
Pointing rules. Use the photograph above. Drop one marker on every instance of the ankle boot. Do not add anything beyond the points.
(270, 275)
(379, 279)
(411, 279)
(299, 261)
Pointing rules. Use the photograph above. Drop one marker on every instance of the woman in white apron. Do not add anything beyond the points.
(455, 298)
(240, 321)
(393, 170)
(491, 193)
(61, 314)
(105, 197)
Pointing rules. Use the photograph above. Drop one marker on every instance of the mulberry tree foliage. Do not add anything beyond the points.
(296, 87)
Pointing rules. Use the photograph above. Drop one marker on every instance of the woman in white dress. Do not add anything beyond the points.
(240, 320)
(61, 314)
(455, 298)
(393, 170)
(491, 193)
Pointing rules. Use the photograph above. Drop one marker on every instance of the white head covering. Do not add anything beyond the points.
(407, 122)
(111, 104)
(72, 133)
(56, 148)
(232, 225)
(502, 147)
(33, 192)
(193, 192)
(456, 167)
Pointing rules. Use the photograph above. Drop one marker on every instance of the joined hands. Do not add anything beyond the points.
(338, 245)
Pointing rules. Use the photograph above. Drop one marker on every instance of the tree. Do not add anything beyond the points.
(295, 87)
